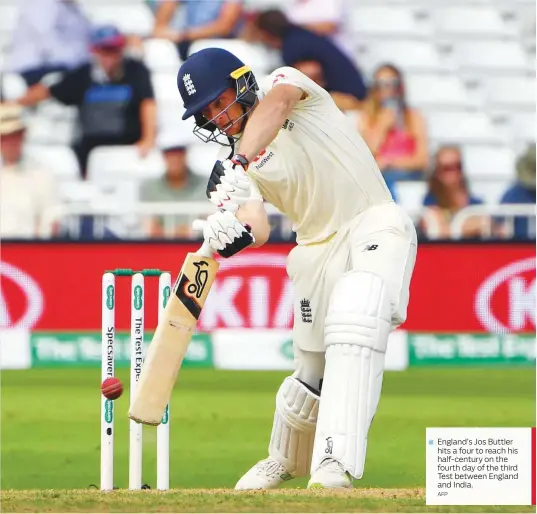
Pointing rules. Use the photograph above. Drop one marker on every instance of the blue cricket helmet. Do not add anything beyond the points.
(204, 76)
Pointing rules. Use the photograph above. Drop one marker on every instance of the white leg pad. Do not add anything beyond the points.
(357, 326)
(293, 431)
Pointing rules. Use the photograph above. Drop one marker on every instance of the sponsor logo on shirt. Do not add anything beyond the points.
(277, 78)
(262, 159)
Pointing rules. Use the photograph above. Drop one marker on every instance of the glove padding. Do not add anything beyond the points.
(224, 233)
(228, 186)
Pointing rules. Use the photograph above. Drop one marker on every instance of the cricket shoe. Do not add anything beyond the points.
(266, 474)
(330, 475)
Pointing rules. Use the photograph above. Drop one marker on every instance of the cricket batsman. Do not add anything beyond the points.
(286, 142)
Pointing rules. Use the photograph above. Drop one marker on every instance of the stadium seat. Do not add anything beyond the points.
(510, 92)
(388, 21)
(13, 86)
(108, 163)
(161, 55)
(5, 43)
(525, 19)
(481, 161)
(8, 16)
(260, 5)
(437, 91)
(77, 191)
(201, 157)
(170, 122)
(53, 109)
(471, 21)
(461, 127)
(165, 86)
(124, 192)
(409, 55)
(60, 160)
(130, 19)
(490, 56)
(261, 61)
(172, 130)
(523, 126)
(410, 194)
(94, 196)
(44, 130)
(490, 191)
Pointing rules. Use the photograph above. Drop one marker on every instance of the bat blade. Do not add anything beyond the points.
(171, 339)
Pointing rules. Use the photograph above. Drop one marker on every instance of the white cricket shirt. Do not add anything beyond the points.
(318, 171)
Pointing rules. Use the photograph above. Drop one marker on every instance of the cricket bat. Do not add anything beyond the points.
(172, 337)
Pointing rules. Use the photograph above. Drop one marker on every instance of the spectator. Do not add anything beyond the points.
(448, 193)
(200, 20)
(523, 191)
(114, 96)
(314, 55)
(394, 132)
(327, 18)
(178, 184)
(26, 190)
(50, 36)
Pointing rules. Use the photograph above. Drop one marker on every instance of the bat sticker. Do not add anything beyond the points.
(196, 289)
(189, 292)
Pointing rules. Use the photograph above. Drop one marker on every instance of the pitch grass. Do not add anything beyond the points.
(222, 500)
(220, 424)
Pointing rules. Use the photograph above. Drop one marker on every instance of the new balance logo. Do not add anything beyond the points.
(305, 310)
(262, 159)
(329, 445)
(190, 88)
(370, 248)
(288, 125)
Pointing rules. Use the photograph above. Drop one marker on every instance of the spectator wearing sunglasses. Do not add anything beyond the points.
(394, 132)
(448, 194)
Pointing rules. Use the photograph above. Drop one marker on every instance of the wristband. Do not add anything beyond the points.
(241, 160)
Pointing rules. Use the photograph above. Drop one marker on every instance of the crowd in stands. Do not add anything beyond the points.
(105, 75)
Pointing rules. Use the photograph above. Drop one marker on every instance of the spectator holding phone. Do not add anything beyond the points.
(395, 132)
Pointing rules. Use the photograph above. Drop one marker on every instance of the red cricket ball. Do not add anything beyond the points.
(112, 388)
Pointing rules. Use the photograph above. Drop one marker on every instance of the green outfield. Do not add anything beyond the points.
(221, 423)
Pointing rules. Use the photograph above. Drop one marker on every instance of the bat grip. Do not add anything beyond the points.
(205, 250)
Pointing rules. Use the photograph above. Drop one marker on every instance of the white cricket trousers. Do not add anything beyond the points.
(381, 240)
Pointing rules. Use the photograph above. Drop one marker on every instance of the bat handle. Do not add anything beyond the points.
(205, 250)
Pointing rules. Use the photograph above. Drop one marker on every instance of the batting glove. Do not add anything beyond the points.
(224, 233)
(228, 186)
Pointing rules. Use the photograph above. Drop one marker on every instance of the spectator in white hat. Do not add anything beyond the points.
(26, 189)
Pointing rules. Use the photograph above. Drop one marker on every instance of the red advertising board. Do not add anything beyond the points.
(455, 288)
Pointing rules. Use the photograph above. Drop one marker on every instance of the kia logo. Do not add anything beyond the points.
(521, 297)
(32, 293)
(242, 297)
